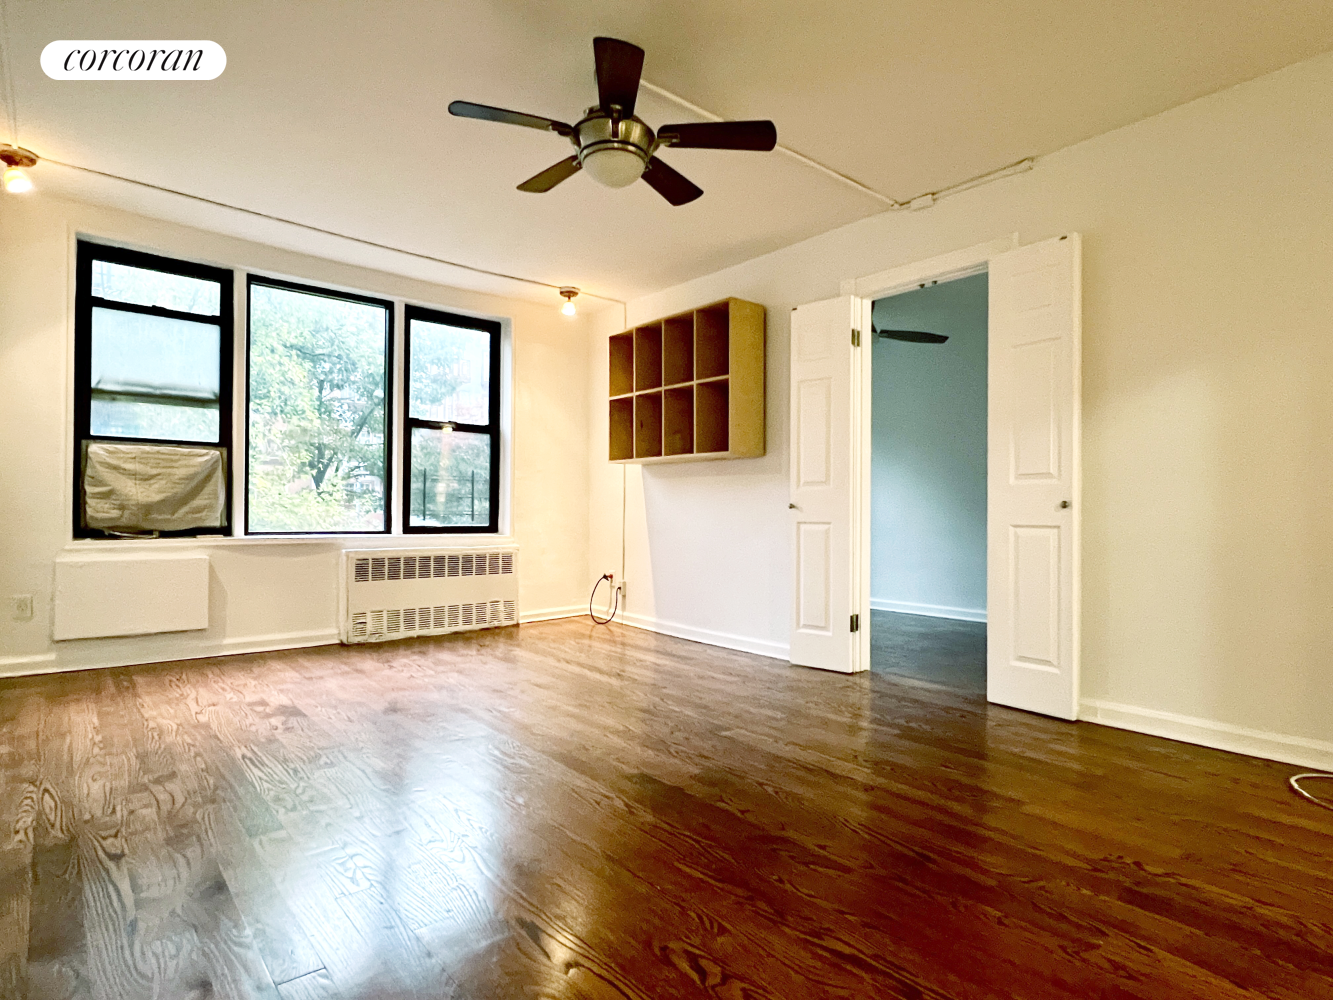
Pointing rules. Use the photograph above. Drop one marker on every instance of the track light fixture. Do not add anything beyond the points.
(569, 293)
(16, 161)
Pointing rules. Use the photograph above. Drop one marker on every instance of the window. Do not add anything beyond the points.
(451, 446)
(318, 431)
(155, 343)
(153, 378)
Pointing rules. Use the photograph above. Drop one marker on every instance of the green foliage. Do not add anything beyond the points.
(317, 381)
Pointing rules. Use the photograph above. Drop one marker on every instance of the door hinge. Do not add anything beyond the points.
(856, 338)
(856, 623)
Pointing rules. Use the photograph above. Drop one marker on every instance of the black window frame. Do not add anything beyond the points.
(329, 293)
(89, 251)
(492, 327)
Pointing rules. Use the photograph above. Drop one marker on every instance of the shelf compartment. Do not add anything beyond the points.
(678, 349)
(648, 425)
(690, 386)
(622, 364)
(622, 429)
(712, 416)
(648, 357)
(712, 341)
(678, 421)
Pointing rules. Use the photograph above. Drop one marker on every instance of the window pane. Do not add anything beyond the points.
(451, 479)
(136, 353)
(153, 377)
(126, 418)
(317, 390)
(451, 373)
(143, 287)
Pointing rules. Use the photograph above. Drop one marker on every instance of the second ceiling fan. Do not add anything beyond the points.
(614, 146)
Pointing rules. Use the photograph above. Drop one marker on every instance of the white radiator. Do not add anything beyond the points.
(395, 593)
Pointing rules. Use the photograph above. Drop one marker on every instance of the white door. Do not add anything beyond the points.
(1033, 478)
(825, 505)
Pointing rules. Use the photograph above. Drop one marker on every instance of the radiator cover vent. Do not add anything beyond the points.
(394, 594)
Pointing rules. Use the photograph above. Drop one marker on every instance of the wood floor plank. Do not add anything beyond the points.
(316, 985)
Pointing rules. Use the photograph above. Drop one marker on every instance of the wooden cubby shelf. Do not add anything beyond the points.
(622, 429)
(622, 364)
(648, 425)
(648, 357)
(689, 387)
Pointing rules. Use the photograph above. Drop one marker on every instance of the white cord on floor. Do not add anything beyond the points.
(1295, 784)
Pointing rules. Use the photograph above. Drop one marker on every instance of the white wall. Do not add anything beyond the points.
(928, 454)
(263, 593)
(1208, 417)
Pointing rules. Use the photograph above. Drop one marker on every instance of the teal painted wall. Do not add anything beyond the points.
(928, 487)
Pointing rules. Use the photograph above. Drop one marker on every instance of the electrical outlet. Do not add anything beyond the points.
(624, 591)
(21, 607)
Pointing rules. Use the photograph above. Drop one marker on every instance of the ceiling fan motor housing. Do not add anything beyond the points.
(614, 151)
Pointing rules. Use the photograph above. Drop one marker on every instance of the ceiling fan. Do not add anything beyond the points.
(614, 146)
(911, 336)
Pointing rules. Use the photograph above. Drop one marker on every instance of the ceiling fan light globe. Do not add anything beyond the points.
(614, 168)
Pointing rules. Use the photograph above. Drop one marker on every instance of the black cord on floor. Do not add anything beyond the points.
(593, 596)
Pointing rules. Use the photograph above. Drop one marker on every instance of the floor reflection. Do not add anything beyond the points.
(563, 811)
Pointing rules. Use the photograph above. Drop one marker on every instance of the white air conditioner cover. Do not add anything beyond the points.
(396, 593)
(145, 487)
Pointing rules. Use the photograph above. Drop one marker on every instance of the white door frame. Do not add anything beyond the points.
(945, 267)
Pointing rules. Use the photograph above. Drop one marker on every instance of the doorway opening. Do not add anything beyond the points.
(927, 513)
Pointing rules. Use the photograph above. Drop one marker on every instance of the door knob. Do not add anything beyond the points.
(792, 506)
(1064, 504)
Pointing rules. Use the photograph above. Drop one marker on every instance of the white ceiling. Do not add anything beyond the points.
(333, 113)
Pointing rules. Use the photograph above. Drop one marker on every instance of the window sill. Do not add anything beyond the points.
(337, 542)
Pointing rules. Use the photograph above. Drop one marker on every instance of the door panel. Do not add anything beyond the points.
(825, 535)
(813, 552)
(1036, 605)
(814, 415)
(1033, 478)
(1036, 434)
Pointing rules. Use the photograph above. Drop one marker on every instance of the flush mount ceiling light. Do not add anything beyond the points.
(616, 148)
(569, 293)
(16, 161)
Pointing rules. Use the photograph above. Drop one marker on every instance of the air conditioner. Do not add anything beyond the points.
(396, 593)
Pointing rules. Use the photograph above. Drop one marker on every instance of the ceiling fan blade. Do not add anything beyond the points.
(675, 187)
(760, 136)
(619, 66)
(466, 109)
(911, 336)
(551, 176)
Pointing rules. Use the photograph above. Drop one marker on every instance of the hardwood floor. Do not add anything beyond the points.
(943, 650)
(563, 811)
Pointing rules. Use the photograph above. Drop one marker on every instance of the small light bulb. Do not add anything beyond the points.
(16, 181)
(568, 307)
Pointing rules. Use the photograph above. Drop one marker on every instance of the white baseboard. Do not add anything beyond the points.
(547, 614)
(51, 663)
(1206, 732)
(268, 643)
(761, 647)
(20, 666)
(929, 610)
